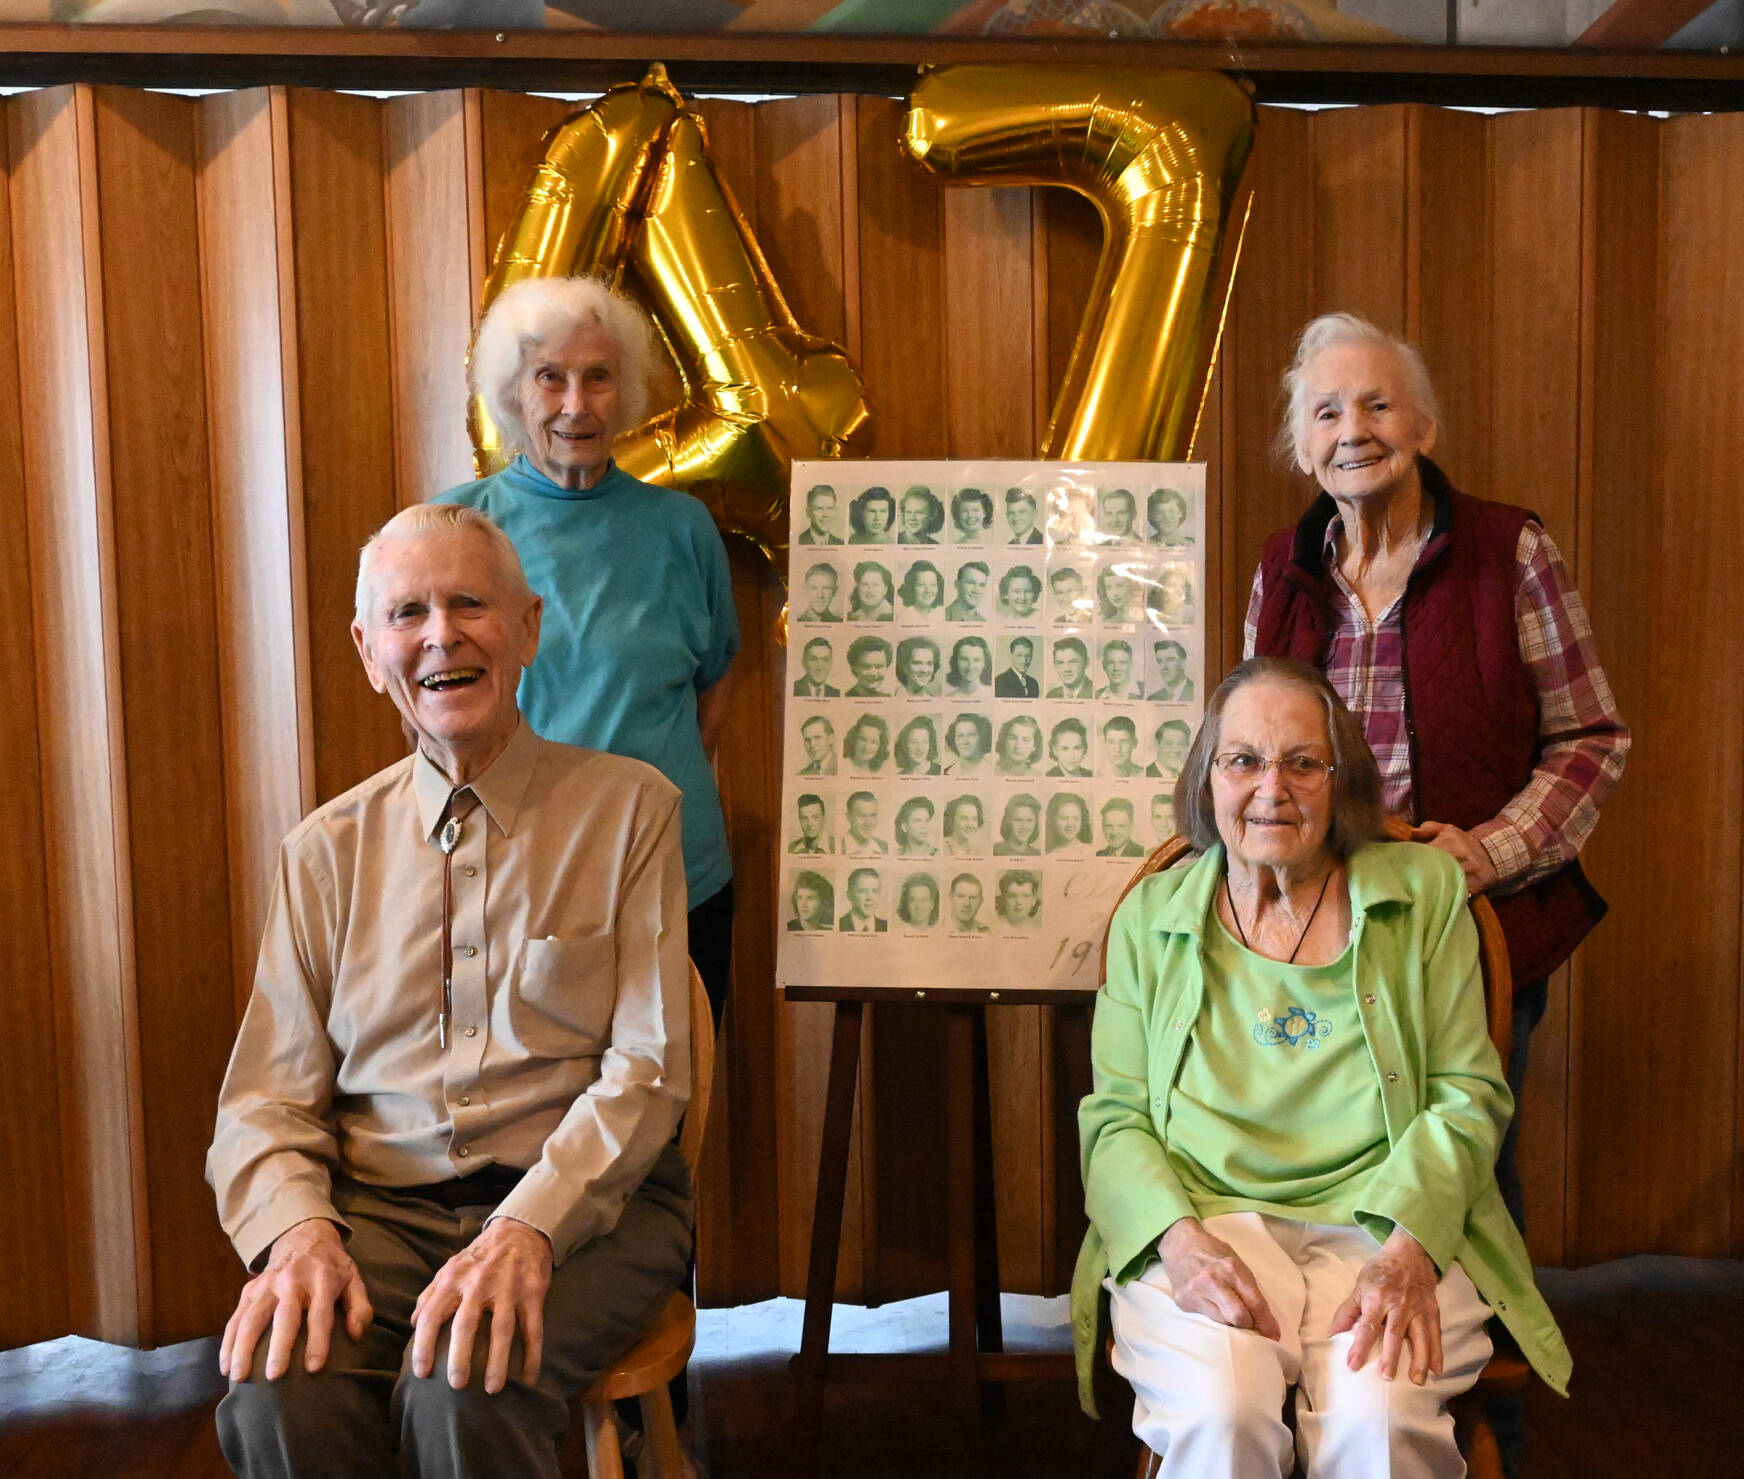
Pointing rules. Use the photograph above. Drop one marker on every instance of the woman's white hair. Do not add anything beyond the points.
(439, 518)
(1329, 331)
(539, 310)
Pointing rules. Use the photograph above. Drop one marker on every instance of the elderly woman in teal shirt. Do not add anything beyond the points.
(1289, 1150)
(640, 627)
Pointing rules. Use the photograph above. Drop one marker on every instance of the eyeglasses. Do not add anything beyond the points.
(1300, 772)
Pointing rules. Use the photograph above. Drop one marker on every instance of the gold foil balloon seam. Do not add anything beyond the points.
(1163, 157)
(627, 191)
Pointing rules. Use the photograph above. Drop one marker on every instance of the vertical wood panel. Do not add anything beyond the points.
(167, 650)
(1541, 1152)
(1273, 298)
(1534, 368)
(263, 658)
(1535, 387)
(65, 422)
(1360, 213)
(739, 1197)
(1623, 526)
(347, 429)
(800, 221)
(1665, 583)
(900, 246)
(1448, 282)
(433, 262)
(34, 1307)
(989, 330)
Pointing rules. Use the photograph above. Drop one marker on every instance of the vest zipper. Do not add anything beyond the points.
(1410, 720)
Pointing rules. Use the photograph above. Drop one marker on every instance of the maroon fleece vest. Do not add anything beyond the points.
(1471, 712)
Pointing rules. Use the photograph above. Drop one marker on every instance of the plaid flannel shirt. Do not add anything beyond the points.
(1582, 740)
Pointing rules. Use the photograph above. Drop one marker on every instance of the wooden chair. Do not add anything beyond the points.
(1506, 1374)
(645, 1370)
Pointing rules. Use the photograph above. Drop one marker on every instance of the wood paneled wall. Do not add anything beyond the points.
(231, 334)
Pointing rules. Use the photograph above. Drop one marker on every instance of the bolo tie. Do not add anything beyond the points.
(460, 806)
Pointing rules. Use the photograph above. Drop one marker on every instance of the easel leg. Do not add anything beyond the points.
(1071, 1082)
(961, 1188)
(989, 1332)
(812, 1362)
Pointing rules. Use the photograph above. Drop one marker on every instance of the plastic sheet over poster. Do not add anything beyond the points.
(994, 672)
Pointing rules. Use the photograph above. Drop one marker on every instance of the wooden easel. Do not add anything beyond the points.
(976, 1356)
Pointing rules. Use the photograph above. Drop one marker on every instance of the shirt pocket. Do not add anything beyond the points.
(562, 995)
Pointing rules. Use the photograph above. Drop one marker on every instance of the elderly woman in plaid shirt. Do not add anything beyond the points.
(1451, 628)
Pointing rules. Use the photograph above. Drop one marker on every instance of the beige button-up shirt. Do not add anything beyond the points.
(569, 1046)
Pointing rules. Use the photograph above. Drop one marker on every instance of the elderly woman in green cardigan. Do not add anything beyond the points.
(1289, 1150)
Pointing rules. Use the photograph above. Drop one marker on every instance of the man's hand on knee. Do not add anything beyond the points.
(505, 1272)
(309, 1270)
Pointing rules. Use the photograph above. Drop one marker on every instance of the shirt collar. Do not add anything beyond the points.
(1372, 874)
(523, 475)
(1436, 489)
(502, 789)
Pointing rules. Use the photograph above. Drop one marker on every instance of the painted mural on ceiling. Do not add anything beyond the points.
(1705, 25)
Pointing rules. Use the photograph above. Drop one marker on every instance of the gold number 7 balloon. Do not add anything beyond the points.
(627, 191)
(1164, 158)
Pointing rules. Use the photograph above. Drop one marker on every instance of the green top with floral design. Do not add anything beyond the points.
(1273, 1047)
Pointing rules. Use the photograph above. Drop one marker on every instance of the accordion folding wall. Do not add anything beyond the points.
(231, 332)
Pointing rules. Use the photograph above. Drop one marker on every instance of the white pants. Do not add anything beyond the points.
(1209, 1399)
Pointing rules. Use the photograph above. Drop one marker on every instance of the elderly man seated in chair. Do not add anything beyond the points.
(444, 1145)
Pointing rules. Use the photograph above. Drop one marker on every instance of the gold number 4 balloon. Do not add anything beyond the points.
(1164, 158)
(627, 190)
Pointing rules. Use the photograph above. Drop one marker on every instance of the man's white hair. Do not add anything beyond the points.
(540, 310)
(439, 518)
(1329, 331)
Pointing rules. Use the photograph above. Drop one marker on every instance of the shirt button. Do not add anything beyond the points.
(1179, 1025)
(463, 1151)
(470, 871)
(1392, 1078)
(473, 1032)
(465, 1099)
(1370, 1000)
(469, 951)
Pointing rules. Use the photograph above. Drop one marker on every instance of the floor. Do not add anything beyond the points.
(1658, 1345)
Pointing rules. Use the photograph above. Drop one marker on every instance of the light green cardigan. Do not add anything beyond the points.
(1446, 1103)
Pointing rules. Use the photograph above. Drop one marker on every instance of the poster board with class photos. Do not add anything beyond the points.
(994, 672)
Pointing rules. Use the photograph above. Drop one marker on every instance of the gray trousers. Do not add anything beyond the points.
(365, 1416)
